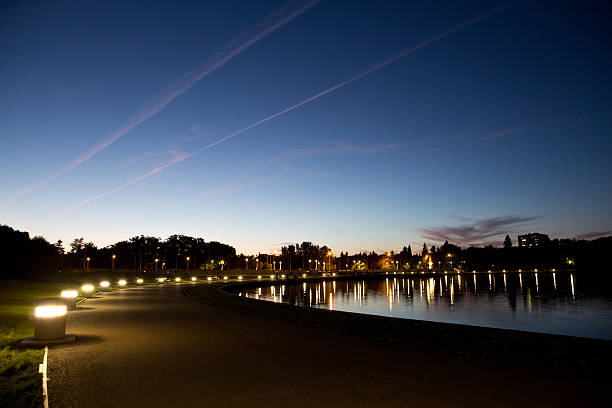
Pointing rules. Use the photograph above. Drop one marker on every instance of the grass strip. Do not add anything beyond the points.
(20, 382)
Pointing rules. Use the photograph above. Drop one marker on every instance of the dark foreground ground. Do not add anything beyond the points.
(154, 347)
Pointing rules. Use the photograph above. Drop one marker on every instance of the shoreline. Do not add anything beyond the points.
(557, 353)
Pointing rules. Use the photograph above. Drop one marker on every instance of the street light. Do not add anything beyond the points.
(280, 265)
(113, 261)
(329, 254)
(188, 263)
(88, 258)
(310, 264)
(156, 261)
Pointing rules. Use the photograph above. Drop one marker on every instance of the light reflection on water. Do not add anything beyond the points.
(541, 302)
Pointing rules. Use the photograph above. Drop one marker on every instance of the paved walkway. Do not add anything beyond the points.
(154, 347)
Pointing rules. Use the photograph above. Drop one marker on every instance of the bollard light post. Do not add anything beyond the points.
(49, 323)
(69, 297)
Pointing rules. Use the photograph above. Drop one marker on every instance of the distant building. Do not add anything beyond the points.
(532, 240)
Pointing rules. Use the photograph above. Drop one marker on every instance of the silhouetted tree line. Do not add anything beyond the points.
(556, 253)
(20, 254)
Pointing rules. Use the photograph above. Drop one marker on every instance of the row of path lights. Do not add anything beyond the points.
(50, 314)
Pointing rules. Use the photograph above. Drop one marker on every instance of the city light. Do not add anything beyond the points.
(193, 279)
(177, 279)
(104, 284)
(240, 278)
(225, 277)
(209, 278)
(161, 280)
(139, 281)
(122, 282)
(258, 276)
(50, 311)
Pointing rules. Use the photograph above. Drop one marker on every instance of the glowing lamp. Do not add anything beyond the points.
(303, 275)
(193, 278)
(271, 276)
(50, 319)
(139, 281)
(283, 276)
(88, 287)
(122, 282)
(104, 284)
(50, 311)
(209, 278)
(177, 279)
(240, 278)
(258, 276)
(69, 294)
(161, 280)
(225, 277)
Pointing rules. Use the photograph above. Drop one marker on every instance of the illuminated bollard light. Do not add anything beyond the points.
(69, 297)
(122, 282)
(139, 281)
(104, 285)
(161, 280)
(87, 288)
(49, 323)
(50, 319)
(177, 279)
(240, 278)
(209, 278)
(258, 276)
(193, 279)
(225, 277)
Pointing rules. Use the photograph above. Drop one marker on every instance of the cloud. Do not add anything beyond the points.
(376, 67)
(221, 190)
(231, 49)
(594, 234)
(545, 124)
(347, 147)
(505, 132)
(474, 231)
(316, 173)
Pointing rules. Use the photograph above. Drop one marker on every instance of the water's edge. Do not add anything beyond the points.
(571, 355)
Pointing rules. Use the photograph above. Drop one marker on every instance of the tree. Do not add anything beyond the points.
(77, 245)
(507, 242)
(425, 250)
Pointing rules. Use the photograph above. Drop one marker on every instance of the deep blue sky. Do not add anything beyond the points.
(501, 127)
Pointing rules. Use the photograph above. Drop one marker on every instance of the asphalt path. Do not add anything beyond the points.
(154, 347)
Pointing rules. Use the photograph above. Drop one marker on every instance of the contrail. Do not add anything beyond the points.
(234, 47)
(362, 74)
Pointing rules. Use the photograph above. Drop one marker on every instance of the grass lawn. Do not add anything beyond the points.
(20, 382)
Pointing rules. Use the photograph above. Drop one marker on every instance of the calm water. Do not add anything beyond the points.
(560, 303)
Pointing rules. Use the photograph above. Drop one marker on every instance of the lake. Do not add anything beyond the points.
(559, 303)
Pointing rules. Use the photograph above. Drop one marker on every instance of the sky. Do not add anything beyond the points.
(361, 125)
